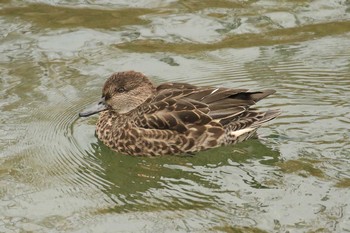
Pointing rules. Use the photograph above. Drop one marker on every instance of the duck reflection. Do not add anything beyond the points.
(179, 182)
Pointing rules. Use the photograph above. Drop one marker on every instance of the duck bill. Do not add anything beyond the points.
(94, 108)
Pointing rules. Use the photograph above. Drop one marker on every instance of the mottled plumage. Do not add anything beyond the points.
(174, 118)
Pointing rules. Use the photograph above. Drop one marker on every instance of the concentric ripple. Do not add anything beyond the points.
(67, 159)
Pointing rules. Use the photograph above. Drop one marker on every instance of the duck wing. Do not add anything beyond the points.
(180, 106)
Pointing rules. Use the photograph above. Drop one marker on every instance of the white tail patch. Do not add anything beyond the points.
(215, 90)
(241, 132)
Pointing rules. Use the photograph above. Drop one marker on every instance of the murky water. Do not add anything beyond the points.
(55, 176)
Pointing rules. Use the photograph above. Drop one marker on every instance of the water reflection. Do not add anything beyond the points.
(176, 182)
(58, 16)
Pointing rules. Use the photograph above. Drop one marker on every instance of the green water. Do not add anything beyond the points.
(55, 176)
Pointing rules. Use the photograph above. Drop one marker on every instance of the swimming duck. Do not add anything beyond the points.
(137, 118)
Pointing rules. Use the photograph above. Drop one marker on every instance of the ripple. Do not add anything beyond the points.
(47, 15)
(61, 154)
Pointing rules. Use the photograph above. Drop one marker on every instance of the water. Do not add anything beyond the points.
(57, 177)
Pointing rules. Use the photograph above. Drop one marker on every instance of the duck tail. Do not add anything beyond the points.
(268, 116)
(236, 133)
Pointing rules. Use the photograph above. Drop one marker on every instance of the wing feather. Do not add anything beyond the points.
(180, 106)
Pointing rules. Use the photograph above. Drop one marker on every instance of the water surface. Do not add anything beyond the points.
(55, 176)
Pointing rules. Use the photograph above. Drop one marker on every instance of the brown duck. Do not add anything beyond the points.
(138, 118)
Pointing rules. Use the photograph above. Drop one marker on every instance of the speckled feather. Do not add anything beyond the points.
(178, 118)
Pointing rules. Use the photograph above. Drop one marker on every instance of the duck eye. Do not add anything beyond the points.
(121, 89)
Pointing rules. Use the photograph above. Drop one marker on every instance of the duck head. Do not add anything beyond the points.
(121, 93)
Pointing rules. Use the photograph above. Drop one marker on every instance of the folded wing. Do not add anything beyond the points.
(179, 106)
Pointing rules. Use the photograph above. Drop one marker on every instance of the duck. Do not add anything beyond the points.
(140, 119)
